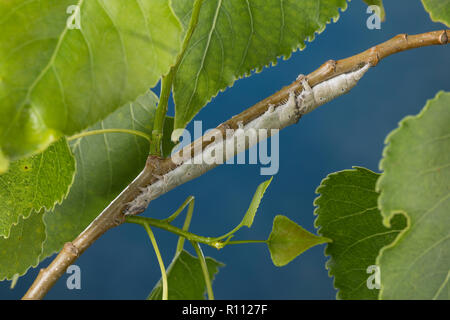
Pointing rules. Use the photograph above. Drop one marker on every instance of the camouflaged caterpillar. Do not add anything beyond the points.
(280, 117)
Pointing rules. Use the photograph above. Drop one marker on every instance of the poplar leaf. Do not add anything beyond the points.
(254, 205)
(416, 184)
(22, 249)
(347, 213)
(439, 10)
(288, 240)
(69, 64)
(36, 182)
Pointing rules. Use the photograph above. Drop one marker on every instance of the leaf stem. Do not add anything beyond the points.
(103, 131)
(204, 266)
(161, 224)
(165, 294)
(167, 83)
(161, 111)
(183, 233)
(180, 209)
(247, 241)
(186, 224)
(229, 234)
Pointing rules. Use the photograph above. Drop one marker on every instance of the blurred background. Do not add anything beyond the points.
(349, 131)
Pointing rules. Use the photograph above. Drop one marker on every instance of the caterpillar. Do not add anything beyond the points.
(275, 118)
(311, 98)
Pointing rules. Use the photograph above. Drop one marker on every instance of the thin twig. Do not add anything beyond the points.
(113, 215)
(186, 224)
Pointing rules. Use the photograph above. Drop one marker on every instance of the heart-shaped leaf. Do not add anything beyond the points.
(288, 240)
(347, 213)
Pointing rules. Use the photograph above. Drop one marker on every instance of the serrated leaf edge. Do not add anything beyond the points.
(269, 64)
(38, 260)
(387, 217)
(60, 200)
(433, 16)
(316, 203)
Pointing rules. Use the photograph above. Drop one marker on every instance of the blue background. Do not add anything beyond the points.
(349, 131)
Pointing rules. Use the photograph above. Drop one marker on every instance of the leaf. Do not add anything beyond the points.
(415, 183)
(439, 10)
(23, 247)
(378, 3)
(234, 37)
(59, 80)
(347, 213)
(185, 278)
(254, 205)
(249, 216)
(4, 163)
(288, 240)
(33, 183)
(106, 164)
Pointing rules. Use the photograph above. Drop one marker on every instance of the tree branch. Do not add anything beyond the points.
(156, 167)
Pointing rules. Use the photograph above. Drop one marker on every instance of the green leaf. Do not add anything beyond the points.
(254, 205)
(33, 183)
(249, 216)
(288, 240)
(106, 164)
(60, 80)
(23, 247)
(439, 10)
(415, 183)
(348, 214)
(4, 163)
(234, 37)
(378, 3)
(185, 278)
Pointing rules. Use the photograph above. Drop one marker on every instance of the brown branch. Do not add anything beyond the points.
(155, 167)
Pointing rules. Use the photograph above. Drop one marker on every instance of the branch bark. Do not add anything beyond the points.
(156, 167)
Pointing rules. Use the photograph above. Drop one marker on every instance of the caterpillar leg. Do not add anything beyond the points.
(306, 87)
(306, 98)
(300, 77)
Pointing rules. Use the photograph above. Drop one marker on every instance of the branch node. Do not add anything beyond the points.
(402, 36)
(331, 65)
(300, 78)
(70, 249)
(443, 38)
(374, 57)
(328, 68)
(118, 219)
